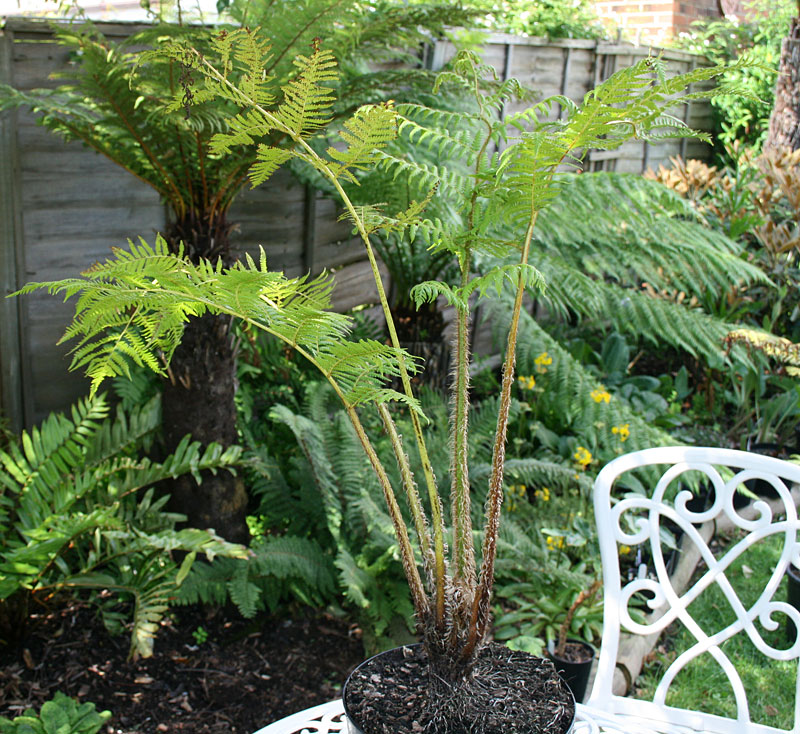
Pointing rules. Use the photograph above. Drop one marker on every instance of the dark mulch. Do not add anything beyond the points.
(511, 693)
(246, 675)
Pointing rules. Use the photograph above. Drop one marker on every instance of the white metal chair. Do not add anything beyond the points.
(724, 470)
(630, 520)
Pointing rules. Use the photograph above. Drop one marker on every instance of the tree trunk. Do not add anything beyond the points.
(784, 122)
(198, 397)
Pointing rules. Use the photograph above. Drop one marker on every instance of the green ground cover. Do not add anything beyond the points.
(703, 685)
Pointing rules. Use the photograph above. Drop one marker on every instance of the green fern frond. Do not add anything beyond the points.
(513, 274)
(243, 592)
(368, 130)
(538, 472)
(162, 291)
(431, 290)
(425, 176)
(311, 443)
(355, 582)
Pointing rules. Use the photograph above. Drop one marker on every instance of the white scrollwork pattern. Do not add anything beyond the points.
(330, 718)
(640, 521)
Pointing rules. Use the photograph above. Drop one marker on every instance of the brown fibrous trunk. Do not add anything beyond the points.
(784, 122)
(198, 398)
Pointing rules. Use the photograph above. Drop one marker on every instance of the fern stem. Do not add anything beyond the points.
(414, 503)
(418, 595)
(480, 606)
(202, 163)
(437, 516)
(463, 546)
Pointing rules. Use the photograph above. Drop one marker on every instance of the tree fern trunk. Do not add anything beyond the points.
(784, 122)
(199, 396)
(421, 332)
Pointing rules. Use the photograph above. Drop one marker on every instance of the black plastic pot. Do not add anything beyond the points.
(792, 597)
(761, 487)
(352, 727)
(575, 672)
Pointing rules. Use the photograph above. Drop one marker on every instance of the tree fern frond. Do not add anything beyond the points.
(426, 176)
(431, 290)
(366, 132)
(163, 290)
(513, 274)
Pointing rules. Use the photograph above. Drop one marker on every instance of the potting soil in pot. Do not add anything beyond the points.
(510, 692)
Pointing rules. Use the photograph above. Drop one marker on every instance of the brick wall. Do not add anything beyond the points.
(654, 22)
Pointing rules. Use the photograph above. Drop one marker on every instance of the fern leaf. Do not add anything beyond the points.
(243, 592)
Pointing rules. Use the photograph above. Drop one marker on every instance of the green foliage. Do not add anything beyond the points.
(295, 310)
(276, 569)
(150, 293)
(331, 473)
(130, 104)
(78, 511)
(550, 18)
(60, 715)
(744, 119)
(755, 199)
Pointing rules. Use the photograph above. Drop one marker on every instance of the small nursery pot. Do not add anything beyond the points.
(575, 668)
(761, 487)
(396, 660)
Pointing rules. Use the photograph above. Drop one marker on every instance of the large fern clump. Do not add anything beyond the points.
(153, 291)
(78, 511)
(117, 100)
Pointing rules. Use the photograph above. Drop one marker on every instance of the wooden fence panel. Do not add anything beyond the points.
(11, 377)
(63, 206)
(572, 68)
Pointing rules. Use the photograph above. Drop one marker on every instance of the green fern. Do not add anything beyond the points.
(77, 514)
(133, 306)
(277, 568)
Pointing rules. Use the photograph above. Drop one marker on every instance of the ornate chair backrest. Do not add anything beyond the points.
(631, 523)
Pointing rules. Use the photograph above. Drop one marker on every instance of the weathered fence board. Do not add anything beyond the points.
(11, 367)
(574, 67)
(62, 206)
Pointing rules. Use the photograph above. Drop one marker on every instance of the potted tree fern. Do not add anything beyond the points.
(502, 173)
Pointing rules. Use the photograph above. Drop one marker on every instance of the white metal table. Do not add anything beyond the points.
(329, 718)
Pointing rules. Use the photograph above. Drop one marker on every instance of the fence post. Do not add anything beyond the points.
(12, 404)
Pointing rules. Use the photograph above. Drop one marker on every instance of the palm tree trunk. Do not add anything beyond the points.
(784, 122)
(199, 396)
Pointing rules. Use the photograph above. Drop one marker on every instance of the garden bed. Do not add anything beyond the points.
(243, 676)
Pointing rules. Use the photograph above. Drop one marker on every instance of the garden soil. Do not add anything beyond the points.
(243, 676)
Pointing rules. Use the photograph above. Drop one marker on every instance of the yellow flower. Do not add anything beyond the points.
(601, 395)
(554, 543)
(624, 550)
(514, 492)
(624, 431)
(542, 494)
(542, 362)
(583, 456)
(527, 383)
